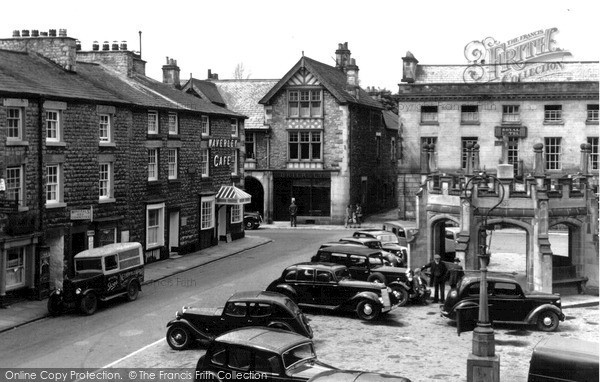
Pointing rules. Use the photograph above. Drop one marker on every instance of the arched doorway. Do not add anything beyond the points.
(567, 247)
(510, 248)
(255, 188)
(443, 234)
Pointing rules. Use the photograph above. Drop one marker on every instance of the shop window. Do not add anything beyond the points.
(236, 213)
(15, 267)
(207, 214)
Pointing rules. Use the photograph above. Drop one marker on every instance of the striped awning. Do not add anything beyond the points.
(232, 195)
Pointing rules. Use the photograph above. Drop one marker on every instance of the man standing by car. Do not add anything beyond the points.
(437, 280)
(293, 212)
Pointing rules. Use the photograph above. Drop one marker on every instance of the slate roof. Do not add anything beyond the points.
(32, 74)
(390, 119)
(242, 96)
(205, 89)
(333, 79)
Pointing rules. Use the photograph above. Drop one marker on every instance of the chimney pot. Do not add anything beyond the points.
(35, 33)
(25, 33)
(123, 45)
(115, 45)
(44, 34)
(16, 33)
(105, 46)
(78, 45)
(209, 74)
(52, 32)
(95, 46)
(62, 33)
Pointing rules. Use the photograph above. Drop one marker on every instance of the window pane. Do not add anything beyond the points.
(13, 122)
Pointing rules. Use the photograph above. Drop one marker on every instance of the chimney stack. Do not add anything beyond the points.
(342, 56)
(409, 68)
(62, 49)
(171, 72)
(115, 45)
(352, 73)
(105, 46)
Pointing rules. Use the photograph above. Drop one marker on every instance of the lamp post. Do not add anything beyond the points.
(483, 364)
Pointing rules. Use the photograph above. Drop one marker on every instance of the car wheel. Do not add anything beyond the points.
(402, 294)
(280, 325)
(89, 304)
(368, 310)
(376, 278)
(178, 337)
(132, 291)
(55, 307)
(547, 321)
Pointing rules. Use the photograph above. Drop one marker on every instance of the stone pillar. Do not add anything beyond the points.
(431, 158)
(539, 170)
(586, 149)
(469, 167)
(425, 159)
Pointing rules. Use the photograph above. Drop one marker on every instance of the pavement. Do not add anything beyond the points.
(24, 312)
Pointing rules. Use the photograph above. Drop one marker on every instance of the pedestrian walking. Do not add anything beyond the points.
(293, 212)
(437, 280)
(455, 273)
(348, 218)
(359, 214)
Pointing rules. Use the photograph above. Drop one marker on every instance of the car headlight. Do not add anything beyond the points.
(78, 291)
(453, 294)
(558, 302)
(58, 292)
(381, 300)
(178, 315)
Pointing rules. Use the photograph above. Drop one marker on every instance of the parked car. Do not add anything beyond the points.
(328, 286)
(564, 359)
(101, 274)
(252, 308)
(406, 231)
(507, 301)
(389, 258)
(389, 242)
(450, 241)
(257, 353)
(252, 220)
(367, 265)
(355, 376)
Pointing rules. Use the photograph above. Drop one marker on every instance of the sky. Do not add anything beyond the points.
(267, 37)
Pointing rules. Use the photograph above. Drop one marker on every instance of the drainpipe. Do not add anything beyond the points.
(40, 158)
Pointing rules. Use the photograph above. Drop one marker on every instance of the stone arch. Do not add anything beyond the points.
(436, 232)
(254, 187)
(568, 261)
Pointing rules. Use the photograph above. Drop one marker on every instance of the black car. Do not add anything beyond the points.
(328, 286)
(252, 220)
(564, 359)
(389, 241)
(263, 354)
(251, 308)
(367, 265)
(507, 303)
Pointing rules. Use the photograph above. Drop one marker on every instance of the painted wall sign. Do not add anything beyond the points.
(221, 160)
(230, 143)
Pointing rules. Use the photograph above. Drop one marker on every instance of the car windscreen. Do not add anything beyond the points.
(342, 273)
(291, 305)
(298, 354)
(91, 264)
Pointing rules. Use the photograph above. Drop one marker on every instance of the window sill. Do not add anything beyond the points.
(308, 117)
(554, 122)
(16, 142)
(153, 246)
(107, 144)
(511, 123)
(152, 136)
(588, 122)
(153, 181)
(23, 209)
(55, 205)
(472, 123)
(56, 144)
(174, 136)
(432, 123)
(107, 200)
(175, 181)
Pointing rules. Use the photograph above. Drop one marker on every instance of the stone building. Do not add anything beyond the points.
(94, 152)
(316, 136)
(537, 135)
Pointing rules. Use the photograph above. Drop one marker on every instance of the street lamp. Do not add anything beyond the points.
(483, 364)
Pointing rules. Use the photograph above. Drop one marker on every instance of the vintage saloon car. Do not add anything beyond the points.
(328, 285)
(507, 303)
(565, 360)
(252, 220)
(388, 257)
(389, 241)
(101, 274)
(252, 308)
(256, 353)
(367, 265)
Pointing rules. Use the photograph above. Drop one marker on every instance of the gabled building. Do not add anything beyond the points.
(95, 152)
(316, 136)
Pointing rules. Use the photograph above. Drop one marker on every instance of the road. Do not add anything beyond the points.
(414, 341)
(94, 341)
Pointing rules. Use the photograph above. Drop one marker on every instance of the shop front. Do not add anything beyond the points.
(311, 190)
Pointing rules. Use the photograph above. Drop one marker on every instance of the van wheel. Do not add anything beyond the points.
(376, 278)
(368, 310)
(178, 337)
(132, 291)
(402, 294)
(89, 304)
(55, 307)
(547, 321)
